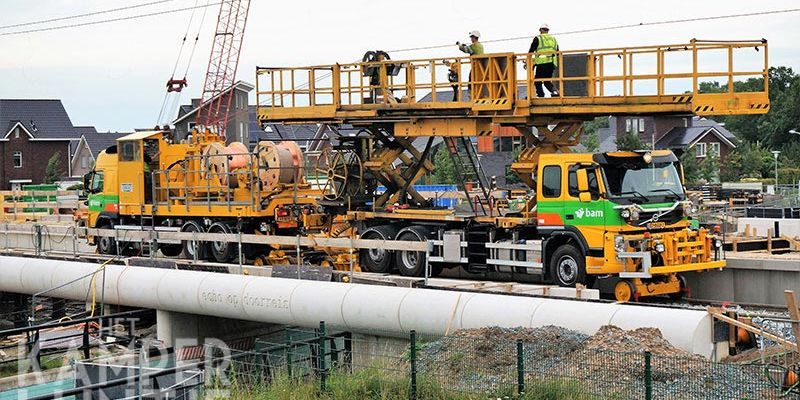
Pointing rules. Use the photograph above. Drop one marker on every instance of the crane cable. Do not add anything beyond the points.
(166, 107)
(600, 29)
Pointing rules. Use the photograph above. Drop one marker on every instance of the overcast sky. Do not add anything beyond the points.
(112, 75)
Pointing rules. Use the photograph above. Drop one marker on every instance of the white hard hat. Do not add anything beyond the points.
(544, 26)
(475, 33)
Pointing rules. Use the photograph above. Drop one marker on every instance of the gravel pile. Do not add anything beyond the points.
(610, 362)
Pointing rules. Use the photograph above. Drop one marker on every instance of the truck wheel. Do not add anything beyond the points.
(378, 260)
(106, 244)
(568, 266)
(193, 249)
(624, 291)
(222, 251)
(411, 263)
(679, 295)
(171, 250)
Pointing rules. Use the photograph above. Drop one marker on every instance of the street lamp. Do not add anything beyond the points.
(776, 153)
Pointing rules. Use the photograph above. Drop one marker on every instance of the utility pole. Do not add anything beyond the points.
(776, 153)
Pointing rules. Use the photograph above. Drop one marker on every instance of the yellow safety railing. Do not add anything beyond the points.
(656, 75)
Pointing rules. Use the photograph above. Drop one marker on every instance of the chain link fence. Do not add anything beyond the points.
(325, 364)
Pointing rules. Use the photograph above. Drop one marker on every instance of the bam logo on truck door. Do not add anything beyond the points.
(588, 213)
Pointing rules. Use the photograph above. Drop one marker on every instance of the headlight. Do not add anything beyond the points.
(625, 213)
(660, 247)
(690, 210)
(619, 244)
(634, 215)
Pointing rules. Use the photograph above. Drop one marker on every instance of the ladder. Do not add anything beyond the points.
(468, 168)
(147, 222)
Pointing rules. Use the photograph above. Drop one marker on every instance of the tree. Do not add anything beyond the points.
(691, 168)
(771, 128)
(590, 139)
(444, 169)
(709, 167)
(53, 170)
(511, 176)
(630, 142)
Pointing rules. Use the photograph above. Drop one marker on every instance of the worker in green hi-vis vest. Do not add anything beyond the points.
(546, 62)
(474, 49)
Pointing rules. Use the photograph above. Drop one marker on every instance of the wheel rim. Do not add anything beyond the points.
(567, 270)
(409, 259)
(377, 256)
(623, 292)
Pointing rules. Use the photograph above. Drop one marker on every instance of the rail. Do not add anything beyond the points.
(653, 79)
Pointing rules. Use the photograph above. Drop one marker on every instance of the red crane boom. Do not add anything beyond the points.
(221, 72)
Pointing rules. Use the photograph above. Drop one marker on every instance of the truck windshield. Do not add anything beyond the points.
(656, 182)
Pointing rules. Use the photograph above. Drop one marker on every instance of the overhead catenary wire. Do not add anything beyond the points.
(113, 10)
(575, 32)
(105, 21)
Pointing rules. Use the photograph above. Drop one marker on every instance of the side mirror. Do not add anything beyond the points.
(87, 182)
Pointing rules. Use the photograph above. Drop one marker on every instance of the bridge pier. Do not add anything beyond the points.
(182, 329)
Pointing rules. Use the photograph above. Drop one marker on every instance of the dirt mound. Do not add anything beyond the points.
(612, 338)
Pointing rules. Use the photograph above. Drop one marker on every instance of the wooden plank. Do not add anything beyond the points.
(755, 330)
(794, 314)
(769, 240)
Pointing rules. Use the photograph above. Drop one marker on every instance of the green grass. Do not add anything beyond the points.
(378, 384)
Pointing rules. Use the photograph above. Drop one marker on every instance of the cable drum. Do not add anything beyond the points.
(276, 164)
(214, 163)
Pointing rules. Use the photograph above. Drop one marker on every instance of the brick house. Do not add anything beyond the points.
(679, 134)
(34, 130)
(238, 125)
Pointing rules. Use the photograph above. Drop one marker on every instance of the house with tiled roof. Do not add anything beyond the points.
(238, 125)
(89, 147)
(31, 132)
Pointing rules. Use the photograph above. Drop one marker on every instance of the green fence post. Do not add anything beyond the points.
(520, 368)
(648, 377)
(413, 359)
(321, 354)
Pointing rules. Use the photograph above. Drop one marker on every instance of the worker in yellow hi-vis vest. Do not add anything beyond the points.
(546, 60)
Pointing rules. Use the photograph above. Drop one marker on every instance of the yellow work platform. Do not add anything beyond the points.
(464, 96)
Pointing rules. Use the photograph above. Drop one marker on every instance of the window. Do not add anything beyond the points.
(17, 159)
(634, 125)
(190, 126)
(129, 151)
(551, 181)
(97, 182)
(84, 162)
(572, 182)
(16, 133)
(713, 148)
(700, 148)
(241, 132)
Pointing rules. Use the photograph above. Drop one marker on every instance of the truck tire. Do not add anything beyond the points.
(222, 251)
(190, 247)
(378, 260)
(411, 263)
(106, 244)
(568, 267)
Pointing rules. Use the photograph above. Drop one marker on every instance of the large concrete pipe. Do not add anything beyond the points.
(355, 307)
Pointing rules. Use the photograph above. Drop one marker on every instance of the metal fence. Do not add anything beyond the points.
(323, 364)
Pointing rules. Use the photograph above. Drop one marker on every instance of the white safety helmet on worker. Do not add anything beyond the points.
(544, 27)
(475, 33)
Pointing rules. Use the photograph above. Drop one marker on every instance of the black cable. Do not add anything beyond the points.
(104, 21)
(84, 15)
